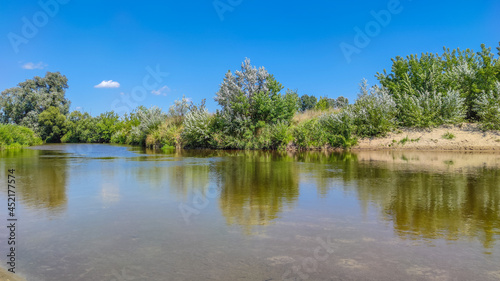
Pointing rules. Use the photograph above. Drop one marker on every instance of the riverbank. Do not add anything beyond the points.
(462, 137)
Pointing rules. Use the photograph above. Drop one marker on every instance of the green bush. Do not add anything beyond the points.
(198, 126)
(280, 135)
(488, 108)
(339, 128)
(430, 109)
(12, 136)
(373, 113)
(119, 137)
(468, 72)
(309, 134)
(166, 135)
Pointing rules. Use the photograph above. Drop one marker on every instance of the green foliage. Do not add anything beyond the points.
(424, 91)
(488, 108)
(198, 127)
(280, 135)
(143, 122)
(272, 107)
(325, 103)
(107, 124)
(22, 104)
(430, 109)
(14, 136)
(470, 74)
(448, 136)
(167, 135)
(339, 128)
(341, 102)
(404, 140)
(307, 102)
(374, 112)
(251, 102)
(52, 124)
(309, 134)
(81, 127)
(178, 110)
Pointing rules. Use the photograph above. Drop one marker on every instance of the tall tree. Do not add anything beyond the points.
(251, 98)
(23, 104)
(307, 102)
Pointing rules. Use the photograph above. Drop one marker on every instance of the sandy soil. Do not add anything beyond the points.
(465, 137)
(7, 276)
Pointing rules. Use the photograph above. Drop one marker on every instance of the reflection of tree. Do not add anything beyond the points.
(423, 202)
(40, 178)
(335, 168)
(255, 186)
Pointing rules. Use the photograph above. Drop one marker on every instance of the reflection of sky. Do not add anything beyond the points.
(110, 193)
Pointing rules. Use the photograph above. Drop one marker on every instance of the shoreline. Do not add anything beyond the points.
(462, 137)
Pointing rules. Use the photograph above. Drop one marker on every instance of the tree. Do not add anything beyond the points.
(251, 98)
(106, 125)
(22, 104)
(241, 87)
(307, 102)
(341, 102)
(179, 109)
(52, 124)
(325, 103)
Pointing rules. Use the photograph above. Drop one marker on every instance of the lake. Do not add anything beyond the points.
(106, 212)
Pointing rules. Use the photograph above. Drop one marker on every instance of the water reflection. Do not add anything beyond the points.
(424, 195)
(428, 195)
(256, 186)
(41, 178)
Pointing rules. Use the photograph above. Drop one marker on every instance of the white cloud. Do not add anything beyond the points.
(30, 65)
(161, 91)
(108, 84)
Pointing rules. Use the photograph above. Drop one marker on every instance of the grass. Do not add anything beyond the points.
(448, 136)
(404, 141)
(310, 114)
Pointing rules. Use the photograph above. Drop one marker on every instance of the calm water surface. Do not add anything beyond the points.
(103, 212)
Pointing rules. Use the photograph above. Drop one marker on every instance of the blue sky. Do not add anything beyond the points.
(196, 44)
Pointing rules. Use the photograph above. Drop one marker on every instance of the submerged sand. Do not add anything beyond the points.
(7, 276)
(463, 137)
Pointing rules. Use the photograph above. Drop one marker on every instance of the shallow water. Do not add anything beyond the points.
(103, 212)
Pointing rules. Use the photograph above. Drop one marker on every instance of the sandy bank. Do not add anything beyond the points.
(7, 276)
(463, 137)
